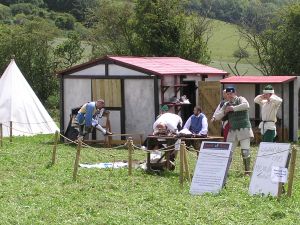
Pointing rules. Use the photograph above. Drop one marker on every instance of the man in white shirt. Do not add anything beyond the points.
(169, 121)
(196, 124)
(270, 104)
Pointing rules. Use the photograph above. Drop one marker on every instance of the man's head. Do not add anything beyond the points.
(225, 97)
(197, 110)
(100, 103)
(230, 92)
(268, 91)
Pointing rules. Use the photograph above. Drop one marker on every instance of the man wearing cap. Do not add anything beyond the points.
(237, 110)
(270, 104)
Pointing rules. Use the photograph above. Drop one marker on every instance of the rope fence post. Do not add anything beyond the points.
(292, 171)
(130, 151)
(181, 155)
(54, 148)
(76, 163)
(1, 135)
(10, 131)
(186, 165)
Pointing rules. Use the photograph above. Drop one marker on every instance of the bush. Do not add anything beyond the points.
(5, 12)
(241, 53)
(25, 8)
(65, 21)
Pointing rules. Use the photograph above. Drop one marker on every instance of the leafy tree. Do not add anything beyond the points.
(160, 28)
(30, 46)
(69, 52)
(278, 46)
(164, 28)
(112, 29)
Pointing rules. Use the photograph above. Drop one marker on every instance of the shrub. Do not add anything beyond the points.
(65, 21)
(5, 12)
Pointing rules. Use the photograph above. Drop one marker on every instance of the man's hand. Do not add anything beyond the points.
(213, 119)
(229, 109)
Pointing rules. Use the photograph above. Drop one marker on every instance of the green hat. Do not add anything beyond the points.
(164, 108)
(268, 89)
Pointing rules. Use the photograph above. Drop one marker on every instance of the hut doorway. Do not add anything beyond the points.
(190, 92)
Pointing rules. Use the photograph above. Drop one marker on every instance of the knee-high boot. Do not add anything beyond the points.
(246, 161)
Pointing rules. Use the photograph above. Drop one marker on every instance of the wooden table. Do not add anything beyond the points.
(166, 139)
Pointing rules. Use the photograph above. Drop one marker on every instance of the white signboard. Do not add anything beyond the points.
(211, 168)
(269, 155)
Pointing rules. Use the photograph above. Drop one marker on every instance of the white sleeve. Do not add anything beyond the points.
(204, 129)
(187, 123)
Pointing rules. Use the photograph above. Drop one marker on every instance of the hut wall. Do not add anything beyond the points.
(139, 105)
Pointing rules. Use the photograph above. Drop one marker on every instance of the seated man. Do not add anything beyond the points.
(196, 125)
(88, 116)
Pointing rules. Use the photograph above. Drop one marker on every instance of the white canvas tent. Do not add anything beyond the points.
(20, 105)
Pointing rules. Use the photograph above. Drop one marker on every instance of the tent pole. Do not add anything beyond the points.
(10, 131)
(1, 135)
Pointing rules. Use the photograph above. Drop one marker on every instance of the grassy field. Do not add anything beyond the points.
(34, 192)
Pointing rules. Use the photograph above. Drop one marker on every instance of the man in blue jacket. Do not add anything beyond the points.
(87, 116)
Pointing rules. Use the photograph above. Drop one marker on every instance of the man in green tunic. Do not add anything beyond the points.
(237, 110)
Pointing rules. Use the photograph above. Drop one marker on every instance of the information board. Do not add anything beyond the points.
(269, 156)
(211, 168)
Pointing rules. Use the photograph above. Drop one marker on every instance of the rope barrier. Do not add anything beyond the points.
(29, 123)
(25, 132)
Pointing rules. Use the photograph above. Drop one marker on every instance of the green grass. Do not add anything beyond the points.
(33, 192)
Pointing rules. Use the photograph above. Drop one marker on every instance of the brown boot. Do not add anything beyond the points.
(246, 162)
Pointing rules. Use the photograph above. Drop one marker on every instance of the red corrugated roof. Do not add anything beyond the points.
(167, 65)
(257, 79)
(152, 65)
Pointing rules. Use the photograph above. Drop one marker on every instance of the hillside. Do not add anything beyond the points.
(222, 44)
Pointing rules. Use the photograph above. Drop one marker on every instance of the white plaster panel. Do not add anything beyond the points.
(115, 123)
(116, 70)
(139, 105)
(98, 70)
(76, 93)
(248, 92)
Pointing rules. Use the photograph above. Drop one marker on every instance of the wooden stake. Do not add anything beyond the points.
(54, 148)
(141, 139)
(280, 185)
(181, 163)
(186, 165)
(130, 151)
(76, 163)
(1, 135)
(10, 131)
(292, 171)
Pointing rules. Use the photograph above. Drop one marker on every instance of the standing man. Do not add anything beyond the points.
(196, 124)
(237, 110)
(86, 117)
(270, 104)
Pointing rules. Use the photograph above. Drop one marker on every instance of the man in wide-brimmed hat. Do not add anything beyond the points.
(270, 104)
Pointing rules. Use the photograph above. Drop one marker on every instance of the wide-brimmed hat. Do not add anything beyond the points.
(230, 90)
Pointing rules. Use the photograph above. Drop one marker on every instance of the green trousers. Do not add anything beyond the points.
(269, 136)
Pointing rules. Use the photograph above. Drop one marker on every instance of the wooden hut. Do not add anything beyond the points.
(134, 88)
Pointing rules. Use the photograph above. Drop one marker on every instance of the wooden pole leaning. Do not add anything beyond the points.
(54, 147)
(292, 171)
(10, 131)
(1, 135)
(186, 165)
(130, 151)
(181, 158)
(76, 163)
